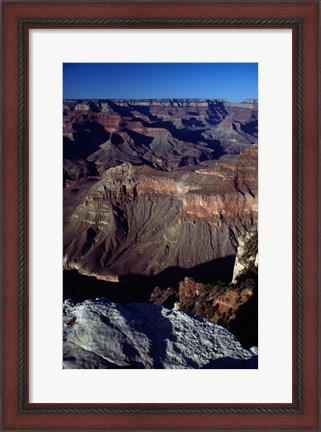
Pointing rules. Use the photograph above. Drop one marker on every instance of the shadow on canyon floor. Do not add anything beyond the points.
(137, 288)
(83, 133)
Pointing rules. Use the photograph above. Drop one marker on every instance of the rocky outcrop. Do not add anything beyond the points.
(165, 297)
(99, 334)
(232, 305)
(137, 220)
(218, 302)
(247, 258)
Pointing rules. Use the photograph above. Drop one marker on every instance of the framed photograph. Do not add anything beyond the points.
(160, 215)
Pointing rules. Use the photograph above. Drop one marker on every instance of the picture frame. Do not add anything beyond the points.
(17, 19)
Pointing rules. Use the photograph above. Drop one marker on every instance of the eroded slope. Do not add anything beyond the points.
(138, 220)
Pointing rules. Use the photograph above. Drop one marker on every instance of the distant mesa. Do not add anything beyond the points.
(163, 133)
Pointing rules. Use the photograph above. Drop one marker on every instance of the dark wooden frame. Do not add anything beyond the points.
(303, 413)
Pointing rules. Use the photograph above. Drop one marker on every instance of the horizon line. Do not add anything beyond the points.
(157, 98)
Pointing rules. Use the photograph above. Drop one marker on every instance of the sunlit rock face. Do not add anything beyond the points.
(247, 258)
(99, 334)
(138, 220)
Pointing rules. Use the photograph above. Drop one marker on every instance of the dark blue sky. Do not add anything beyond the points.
(232, 81)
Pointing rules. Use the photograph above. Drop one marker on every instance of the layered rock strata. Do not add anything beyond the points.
(137, 220)
(163, 134)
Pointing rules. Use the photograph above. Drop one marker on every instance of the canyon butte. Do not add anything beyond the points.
(160, 214)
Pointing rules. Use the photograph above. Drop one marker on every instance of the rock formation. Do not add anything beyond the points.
(163, 134)
(138, 220)
(232, 305)
(99, 334)
(247, 258)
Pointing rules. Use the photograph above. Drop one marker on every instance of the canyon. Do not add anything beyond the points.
(159, 197)
(163, 134)
(138, 220)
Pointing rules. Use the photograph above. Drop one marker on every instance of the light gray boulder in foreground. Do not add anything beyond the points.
(99, 334)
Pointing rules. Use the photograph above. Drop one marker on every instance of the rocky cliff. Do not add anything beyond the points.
(138, 220)
(247, 257)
